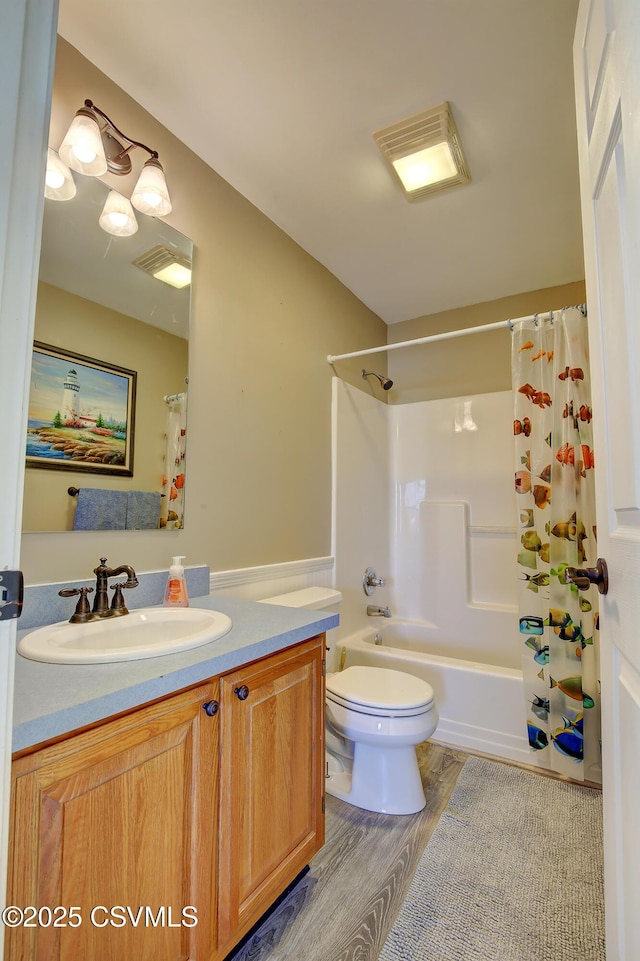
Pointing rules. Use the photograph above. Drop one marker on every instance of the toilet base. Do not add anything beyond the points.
(382, 779)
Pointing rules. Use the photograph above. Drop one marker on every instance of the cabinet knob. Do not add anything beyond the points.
(211, 708)
(241, 692)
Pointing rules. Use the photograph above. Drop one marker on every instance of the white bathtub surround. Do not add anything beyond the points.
(424, 493)
(447, 456)
(437, 583)
(361, 500)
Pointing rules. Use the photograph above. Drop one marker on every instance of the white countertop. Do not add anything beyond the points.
(54, 699)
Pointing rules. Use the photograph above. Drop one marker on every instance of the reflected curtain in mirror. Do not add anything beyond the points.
(173, 481)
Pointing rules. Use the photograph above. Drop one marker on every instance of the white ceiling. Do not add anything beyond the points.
(281, 98)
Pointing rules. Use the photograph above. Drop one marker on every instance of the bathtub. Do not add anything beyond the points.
(481, 706)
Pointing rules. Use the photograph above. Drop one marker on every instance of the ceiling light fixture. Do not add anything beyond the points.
(166, 265)
(424, 152)
(94, 146)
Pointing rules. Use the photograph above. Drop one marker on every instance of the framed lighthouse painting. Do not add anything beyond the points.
(81, 413)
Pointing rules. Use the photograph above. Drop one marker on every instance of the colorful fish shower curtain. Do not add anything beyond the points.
(555, 499)
(173, 486)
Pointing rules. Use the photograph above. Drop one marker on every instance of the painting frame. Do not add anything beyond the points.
(81, 414)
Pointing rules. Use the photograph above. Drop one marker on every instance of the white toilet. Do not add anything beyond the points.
(374, 719)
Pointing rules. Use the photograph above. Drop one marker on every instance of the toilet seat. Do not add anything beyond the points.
(380, 692)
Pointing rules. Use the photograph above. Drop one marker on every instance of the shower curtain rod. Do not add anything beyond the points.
(450, 334)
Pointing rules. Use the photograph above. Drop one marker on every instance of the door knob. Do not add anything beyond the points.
(242, 692)
(583, 578)
(210, 708)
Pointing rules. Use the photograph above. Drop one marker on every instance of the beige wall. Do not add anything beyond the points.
(160, 361)
(475, 364)
(264, 317)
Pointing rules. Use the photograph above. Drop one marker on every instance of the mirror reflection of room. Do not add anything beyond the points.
(95, 302)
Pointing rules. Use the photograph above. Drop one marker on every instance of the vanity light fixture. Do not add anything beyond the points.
(424, 152)
(166, 265)
(94, 146)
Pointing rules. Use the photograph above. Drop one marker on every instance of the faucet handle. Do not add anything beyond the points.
(82, 612)
(118, 605)
(370, 580)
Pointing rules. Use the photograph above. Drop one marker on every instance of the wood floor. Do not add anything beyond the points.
(345, 906)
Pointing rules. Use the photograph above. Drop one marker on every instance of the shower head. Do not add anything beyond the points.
(385, 383)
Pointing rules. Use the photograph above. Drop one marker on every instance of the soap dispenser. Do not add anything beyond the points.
(175, 594)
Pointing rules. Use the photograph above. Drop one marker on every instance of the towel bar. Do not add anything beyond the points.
(74, 491)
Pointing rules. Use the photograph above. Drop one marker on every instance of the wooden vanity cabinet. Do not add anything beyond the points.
(271, 782)
(177, 810)
(121, 816)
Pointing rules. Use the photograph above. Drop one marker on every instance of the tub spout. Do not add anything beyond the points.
(374, 611)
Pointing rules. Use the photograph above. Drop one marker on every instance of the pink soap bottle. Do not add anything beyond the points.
(175, 594)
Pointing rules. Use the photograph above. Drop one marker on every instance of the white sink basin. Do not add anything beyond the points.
(148, 632)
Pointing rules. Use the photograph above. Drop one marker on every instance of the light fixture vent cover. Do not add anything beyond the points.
(432, 134)
(159, 259)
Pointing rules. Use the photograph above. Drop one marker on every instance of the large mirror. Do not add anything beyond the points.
(105, 325)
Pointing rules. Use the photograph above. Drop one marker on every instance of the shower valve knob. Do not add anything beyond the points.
(371, 581)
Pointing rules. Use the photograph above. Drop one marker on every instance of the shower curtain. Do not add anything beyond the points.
(173, 481)
(555, 498)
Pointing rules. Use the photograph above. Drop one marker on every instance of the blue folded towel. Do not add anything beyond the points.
(143, 510)
(100, 510)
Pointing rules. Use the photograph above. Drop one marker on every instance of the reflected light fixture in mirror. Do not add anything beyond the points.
(59, 183)
(166, 265)
(117, 216)
(93, 146)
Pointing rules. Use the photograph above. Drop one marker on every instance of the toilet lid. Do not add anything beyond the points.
(379, 687)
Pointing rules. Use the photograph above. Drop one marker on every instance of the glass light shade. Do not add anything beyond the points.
(427, 166)
(58, 181)
(82, 148)
(150, 195)
(117, 216)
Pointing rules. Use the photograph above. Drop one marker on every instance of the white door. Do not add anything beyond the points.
(27, 36)
(607, 74)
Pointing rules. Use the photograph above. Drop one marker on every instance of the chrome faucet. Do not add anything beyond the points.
(101, 600)
(374, 611)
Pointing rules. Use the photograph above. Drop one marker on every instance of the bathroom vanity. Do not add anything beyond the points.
(167, 831)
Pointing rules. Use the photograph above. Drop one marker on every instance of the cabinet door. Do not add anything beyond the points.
(271, 781)
(118, 823)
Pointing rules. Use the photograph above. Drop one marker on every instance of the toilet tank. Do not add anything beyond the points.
(314, 599)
